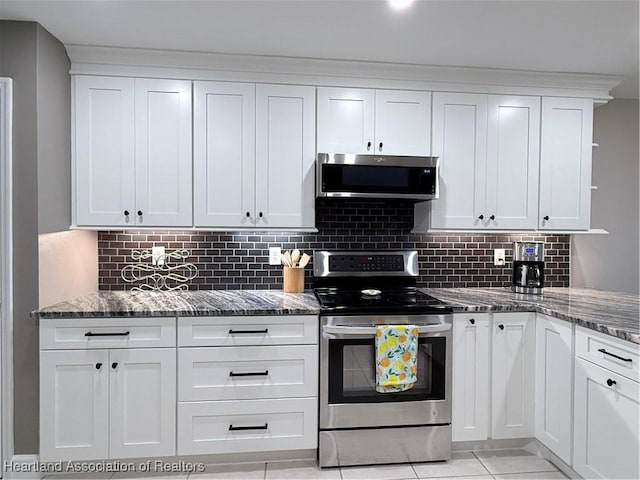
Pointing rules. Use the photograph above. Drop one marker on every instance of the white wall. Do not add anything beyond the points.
(68, 265)
(611, 262)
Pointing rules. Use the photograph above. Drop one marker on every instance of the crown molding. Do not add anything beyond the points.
(116, 61)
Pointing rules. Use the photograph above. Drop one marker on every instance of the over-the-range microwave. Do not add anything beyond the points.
(376, 176)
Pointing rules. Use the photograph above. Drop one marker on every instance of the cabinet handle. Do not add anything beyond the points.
(546, 217)
(237, 332)
(481, 217)
(250, 427)
(501, 327)
(602, 350)
(249, 374)
(492, 217)
(114, 365)
(98, 366)
(260, 214)
(248, 214)
(107, 334)
(610, 382)
(139, 213)
(368, 146)
(126, 213)
(380, 146)
(472, 321)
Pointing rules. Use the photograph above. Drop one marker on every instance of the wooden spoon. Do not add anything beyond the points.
(295, 256)
(286, 259)
(304, 260)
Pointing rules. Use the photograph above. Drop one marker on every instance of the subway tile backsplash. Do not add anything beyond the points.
(240, 260)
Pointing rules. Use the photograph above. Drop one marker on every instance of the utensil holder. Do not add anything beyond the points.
(293, 279)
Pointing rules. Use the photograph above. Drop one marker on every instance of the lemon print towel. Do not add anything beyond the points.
(396, 357)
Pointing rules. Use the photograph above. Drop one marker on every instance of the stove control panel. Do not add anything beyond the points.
(366, 263)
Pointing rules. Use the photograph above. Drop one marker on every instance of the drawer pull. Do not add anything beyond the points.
(610, 382)
(107, 334)
(248, 374)
(472, 321)
(602, 350)
(249, 427)
(501, 327)
(239, 332)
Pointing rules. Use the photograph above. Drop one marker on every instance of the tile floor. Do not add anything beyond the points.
(498, 464)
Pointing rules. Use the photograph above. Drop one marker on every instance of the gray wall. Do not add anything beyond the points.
(610, 262)
(38, 64)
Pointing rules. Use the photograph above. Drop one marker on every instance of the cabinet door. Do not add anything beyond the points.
(74, 408)
(224, 154)
(104, 151)
(163, 153)
(512, 375)
(565, 163)
(403, 122)
(142, 402)
(345, 120)
(459, 139)
(513, 154)
(553, 385)
(470, 418)
(606, 423)
(285, 155)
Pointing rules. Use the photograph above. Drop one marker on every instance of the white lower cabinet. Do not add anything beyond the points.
(247, 384)
(554, 384)
(99, 404)
(470, 398)
(512, 375)
(606, 411)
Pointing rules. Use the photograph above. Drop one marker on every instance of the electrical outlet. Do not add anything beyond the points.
(499, 257)
(274, 255)
(157, 255)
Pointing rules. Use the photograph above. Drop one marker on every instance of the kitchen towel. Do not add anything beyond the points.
(396, 357)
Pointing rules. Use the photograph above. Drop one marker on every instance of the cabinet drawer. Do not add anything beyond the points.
(248, 330)
(218, 373)
(247, 426)
(616, 355)
(82, 333)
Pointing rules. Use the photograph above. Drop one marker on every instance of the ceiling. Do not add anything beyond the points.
(578, 36)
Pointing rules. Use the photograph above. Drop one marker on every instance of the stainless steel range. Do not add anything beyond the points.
(358, 426)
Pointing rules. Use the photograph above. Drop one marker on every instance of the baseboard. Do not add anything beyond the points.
(557, 461)
(528, 444)
(23, 467)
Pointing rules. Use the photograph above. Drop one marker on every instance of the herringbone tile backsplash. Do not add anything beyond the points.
(240, 260)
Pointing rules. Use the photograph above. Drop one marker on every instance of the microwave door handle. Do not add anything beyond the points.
(346, 331)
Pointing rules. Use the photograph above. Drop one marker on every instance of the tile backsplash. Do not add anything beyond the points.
(240, 260)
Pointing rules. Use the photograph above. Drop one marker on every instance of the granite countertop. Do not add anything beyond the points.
(189, 303)
(613, 313)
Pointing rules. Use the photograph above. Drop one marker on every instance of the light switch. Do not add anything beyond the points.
(499, 257)
(274, 255)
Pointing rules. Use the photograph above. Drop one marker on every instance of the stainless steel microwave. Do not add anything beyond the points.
(376, 176)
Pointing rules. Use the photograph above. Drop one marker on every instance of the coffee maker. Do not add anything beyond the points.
(528, 267)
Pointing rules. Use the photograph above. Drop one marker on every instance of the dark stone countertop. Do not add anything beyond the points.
(200, 303)
(613, 313)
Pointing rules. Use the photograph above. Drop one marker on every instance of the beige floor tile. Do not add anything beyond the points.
(461, 464)
(532, 475)
(246, 471)
(379, 472)
(474, 477)
(513, 461)
(303, 470)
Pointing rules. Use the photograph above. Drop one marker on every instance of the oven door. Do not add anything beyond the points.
(347, 382)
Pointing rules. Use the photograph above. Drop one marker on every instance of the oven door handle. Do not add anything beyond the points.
(347, 331)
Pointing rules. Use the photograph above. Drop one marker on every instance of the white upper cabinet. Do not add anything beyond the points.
(565, 163)
(163, 152)
(361, 121)
(459, 139)
(254, 152)
(104, 151)
(285, 156)
(488, 149)
(132, 152)
(224, 153)
(513, 139)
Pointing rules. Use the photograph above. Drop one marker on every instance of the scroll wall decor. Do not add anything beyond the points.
(159, 273)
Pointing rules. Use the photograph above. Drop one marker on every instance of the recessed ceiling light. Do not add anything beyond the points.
(400, 4)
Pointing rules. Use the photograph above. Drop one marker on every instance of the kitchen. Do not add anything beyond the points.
(61, 264)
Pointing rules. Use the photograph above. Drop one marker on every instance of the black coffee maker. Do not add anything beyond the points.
(528, 267)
